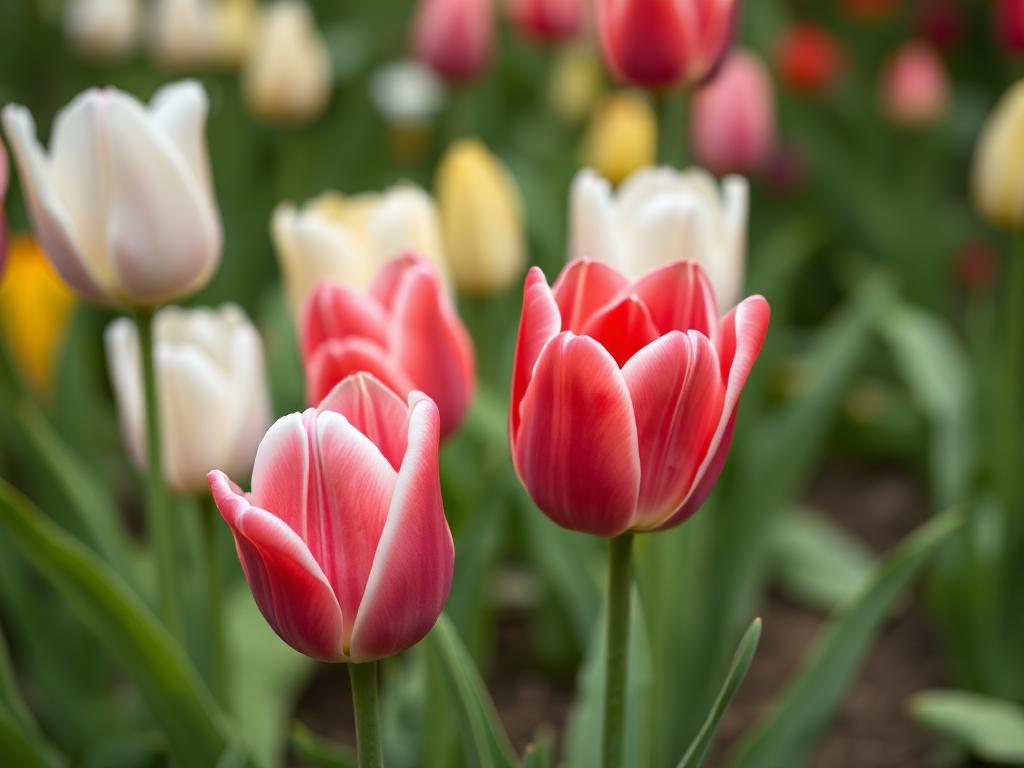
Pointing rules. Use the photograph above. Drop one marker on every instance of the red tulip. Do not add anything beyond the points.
(915, 87)
(871, 10)
(343, 539)
(809, 60)
(404, 331)
(664, 42)
(941, 22)
(1009, 23)
(624, 395)
(548, 21)
(454, 37)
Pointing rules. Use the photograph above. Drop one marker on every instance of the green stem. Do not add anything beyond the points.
(620, 554)
(214, 601)
(364, 698)
(671, 109)
(1014, 334)
(161, 523)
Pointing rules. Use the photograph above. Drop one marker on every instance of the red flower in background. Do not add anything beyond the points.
(549, 21)
(809, 60)
(454, 37)
(1009, 24)
(871, 10)
(941, 22)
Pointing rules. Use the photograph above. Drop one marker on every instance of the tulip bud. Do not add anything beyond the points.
(1009, 24)
(235, 23)
(998, 174)
(103, 29)
(288, 74)
(481, 218)
(454, 37)
(941, 22)
(622, 136)
(185, 33)
(347, 240)
(659, 43)
(575, 82)
(733, 117)
(407, 94)
(213, 401)
(624, 394)
(660, 215)
(548, 21)
(915, 87)
(35, 306)
(404, 331)
(808, 59)
(123, 205)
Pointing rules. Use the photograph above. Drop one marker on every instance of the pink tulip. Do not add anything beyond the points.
(659, 43)
(548, 21)
(733, 117)
(624, 395)
(343, 539)
(915, 87)
(404, 331)
(454, 37)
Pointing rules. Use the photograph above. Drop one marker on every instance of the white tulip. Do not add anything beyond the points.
(406, 93)
(659, 215)
(123, 204)
(103, 28)
(184, 32)
(346, 240)
(211, 387)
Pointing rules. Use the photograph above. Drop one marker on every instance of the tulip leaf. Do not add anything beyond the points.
(540, 753)
(991, 729)
(196, 730)
(316, 752)
(19, 732)
(16, 748)
(483, 736)
(790, 730)
(741, 662)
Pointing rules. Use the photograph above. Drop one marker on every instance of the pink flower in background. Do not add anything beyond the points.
(454, 37)
(733, 117)
(343, 539)
(658, 43)
(624, 394)
(549, 21)
(915, 86)
(404, 331)
(1009, 24)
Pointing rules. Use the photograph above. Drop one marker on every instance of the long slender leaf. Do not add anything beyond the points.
(316, 752)
(992, 729)
(16, 715)
(17, 749)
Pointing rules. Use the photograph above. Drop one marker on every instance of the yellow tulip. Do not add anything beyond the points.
(622, 137)
(481, 219)
(575, 82)
(35, 306)
(998, 182)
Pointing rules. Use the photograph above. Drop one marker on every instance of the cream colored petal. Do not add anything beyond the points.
(594, 232)
(406, 220)
(121, 341)
(180, 110)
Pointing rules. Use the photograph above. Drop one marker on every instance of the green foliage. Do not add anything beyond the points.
(991, 729)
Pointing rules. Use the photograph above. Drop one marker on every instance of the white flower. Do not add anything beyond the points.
(184, 32)
(407, 93)
(211, 387)
(659, 215)
(103, 28)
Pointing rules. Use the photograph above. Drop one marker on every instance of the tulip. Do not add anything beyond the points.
(235, 23)
(185, 33)
(733, 117)
(123, 205)
(343, 539)
(103, 29)
(871, 11)
(288, 74)
(659, 43)
(808, 59)
(481, 218)
(941, 22)
(35, 306)
(407, 94)
(622, 136)
(548, 21)
(454, 37)
(660, 215)
(1009, 24)
(624, 394)
(347, 240)
(575, 82)
(915, 87)
(404, 331)
(998, 174)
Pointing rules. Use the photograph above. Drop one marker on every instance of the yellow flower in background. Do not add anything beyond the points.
(622, 136)
(35, 305)
(236, 25)
(481, 218)
(998, 183)
(575, 83)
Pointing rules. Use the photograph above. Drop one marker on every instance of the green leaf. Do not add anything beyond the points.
(316, 752)
(792, 727)
(741, 662)
(16, 717)
(483, 737)
(540, 753)
(992, 729)
(195, 728)
(16, 748)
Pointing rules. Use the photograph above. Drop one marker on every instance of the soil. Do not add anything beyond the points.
(878, 505)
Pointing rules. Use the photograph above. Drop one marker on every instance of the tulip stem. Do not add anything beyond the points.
(671, 111)
(214, 601)
(161, 524)
(1014, 350)
(620, 555)
(364, 698)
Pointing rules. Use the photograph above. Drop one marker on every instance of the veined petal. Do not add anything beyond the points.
(335, 360)
(538, 323)
(680, 298)
(622, 328)
(337, 312)
(583, 288)
(373, 409)
(282, 470)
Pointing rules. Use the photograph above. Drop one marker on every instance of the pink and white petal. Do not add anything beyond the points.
(584, 287)
(335, 311)
(375, 410)
(576, 451)
(282, 470)
(677, 397)
(538, 324)
(679, 297)
(389, 278)
(335, 360)
(412, 571)
(289, 587)
(623, 328)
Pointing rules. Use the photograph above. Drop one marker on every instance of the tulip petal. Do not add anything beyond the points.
(336, 312)
(649, 40)
(412, 570)
(335, 360)
(680, 298)
(179, 110)
(622, 328)
(576, 450)
(594, 231)
(539, 323)
(389, 278)
(373, 409)
(583, 288)
(121, 343)
(289, 587)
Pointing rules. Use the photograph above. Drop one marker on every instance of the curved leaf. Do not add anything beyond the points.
(992, 729)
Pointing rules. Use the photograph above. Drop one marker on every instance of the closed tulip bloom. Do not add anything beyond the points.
(404, 331)
(575, 82)
(213, 401)
(548, 21)
(624, 393)
(184, 32)
(348, 239)
(658, 43)
(998, 173)
(454, 37)
(123, 204)
(808, 59)
(103, 29)
(288, 74)
(661, 215)
(343, 539)
(1008, 18)
(481, 219)
(733, 117)
(622, 136)
(915, 87)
